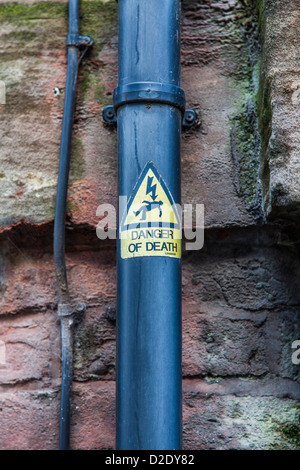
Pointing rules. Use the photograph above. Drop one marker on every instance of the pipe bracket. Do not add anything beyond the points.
(149, 92)
(189, 120)
(79, 41)
(67, 310)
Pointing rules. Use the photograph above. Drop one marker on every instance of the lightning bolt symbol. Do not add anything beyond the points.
(151, 188)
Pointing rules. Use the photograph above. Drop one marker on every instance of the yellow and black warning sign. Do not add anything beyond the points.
(150, 225)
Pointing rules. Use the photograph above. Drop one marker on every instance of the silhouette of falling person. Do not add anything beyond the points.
(149, 206)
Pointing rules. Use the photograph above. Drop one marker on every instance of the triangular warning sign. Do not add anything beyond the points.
(151, 203)
(151, 224)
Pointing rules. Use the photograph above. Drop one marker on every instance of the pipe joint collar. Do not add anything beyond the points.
(149, 92)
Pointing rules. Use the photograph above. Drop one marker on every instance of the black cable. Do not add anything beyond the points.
(65, 310)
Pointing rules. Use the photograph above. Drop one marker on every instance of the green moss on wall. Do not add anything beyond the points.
(261, 12)
(33, 28)
(98, 18)
(44, 25)
(291, 433)
(19, 12)
(245, 155)
(288, 430)
(263, 103)
(91, 86)
(264, 110)
(77, 163)
(245, 137)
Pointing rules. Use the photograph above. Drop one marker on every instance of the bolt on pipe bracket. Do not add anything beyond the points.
(189, 120)
(82, 42)
(78, 41)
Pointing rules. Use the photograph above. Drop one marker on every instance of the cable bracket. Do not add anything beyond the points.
(79, 41)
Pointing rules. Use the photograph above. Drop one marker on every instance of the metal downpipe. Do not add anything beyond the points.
(149, 104)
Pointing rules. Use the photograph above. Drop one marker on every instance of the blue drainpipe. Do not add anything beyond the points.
(149, 104)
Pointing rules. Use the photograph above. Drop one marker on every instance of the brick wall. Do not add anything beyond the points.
(240, 71)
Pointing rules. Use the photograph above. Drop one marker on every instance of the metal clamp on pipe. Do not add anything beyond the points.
(149, 92)
(77, 40)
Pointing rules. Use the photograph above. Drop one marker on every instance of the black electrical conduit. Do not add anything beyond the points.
(77, 46)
